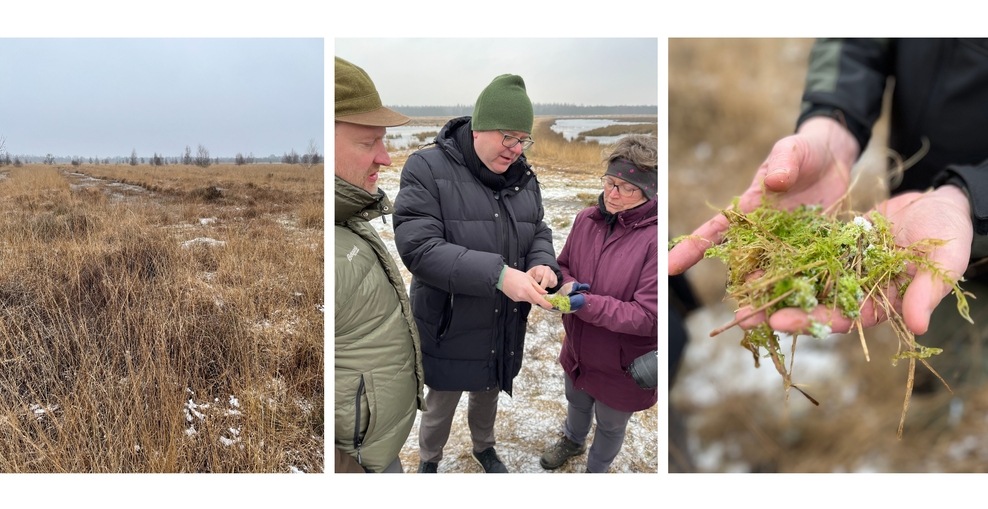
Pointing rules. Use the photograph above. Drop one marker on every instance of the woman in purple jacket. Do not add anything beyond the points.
(610, 273)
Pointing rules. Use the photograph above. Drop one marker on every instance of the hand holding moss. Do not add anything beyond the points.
(569, 299)
(810, 167)
(810, 272)
(566, 304)
(942, 214)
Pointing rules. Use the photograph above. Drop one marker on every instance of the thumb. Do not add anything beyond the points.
(921, 298)
(784, 162)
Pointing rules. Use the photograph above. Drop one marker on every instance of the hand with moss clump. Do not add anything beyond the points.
(942, 214)
(810, 167)
(569, 299)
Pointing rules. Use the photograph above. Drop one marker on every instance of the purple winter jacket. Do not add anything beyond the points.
(619, 321)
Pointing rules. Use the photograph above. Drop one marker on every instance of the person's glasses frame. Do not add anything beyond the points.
(625, 190)
(526, 144)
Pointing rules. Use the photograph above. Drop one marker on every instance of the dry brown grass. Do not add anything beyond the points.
(551, 149)
(118, 337)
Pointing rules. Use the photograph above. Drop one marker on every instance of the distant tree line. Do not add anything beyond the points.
(201, 158)
(460, 110)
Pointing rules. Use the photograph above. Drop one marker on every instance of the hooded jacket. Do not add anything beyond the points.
(454, 235)
(619, 320)
(378, 371)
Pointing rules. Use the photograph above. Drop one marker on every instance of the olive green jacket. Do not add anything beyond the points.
(378, 371)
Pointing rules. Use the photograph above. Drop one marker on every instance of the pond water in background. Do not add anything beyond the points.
(570, 128)
(404, 136)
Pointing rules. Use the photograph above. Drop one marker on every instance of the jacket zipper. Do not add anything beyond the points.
(357, 442)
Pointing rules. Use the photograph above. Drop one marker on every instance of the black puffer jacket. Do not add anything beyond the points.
(454, 235)
(940, 92)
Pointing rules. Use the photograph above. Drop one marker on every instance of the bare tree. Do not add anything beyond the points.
(155, 160)
(3, 151)
(187, 158)
(133, 157)
(202, 157)
(239, 159)
(17, 162)
(49, 159)
(311, 157)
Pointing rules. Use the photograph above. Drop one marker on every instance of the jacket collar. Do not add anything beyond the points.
(353, 201)
(643, 215)
(447, 140)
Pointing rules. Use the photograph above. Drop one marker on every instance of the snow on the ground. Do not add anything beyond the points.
(206, 241)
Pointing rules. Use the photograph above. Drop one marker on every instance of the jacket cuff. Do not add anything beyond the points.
(973, 180)
(500, 279)
(861, 132)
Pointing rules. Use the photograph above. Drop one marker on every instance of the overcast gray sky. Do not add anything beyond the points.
(441, 72)
(105, 97)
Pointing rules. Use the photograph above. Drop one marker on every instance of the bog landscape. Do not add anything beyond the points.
(159, 315)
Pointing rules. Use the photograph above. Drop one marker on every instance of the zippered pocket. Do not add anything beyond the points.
(445, 319)
(357, 440)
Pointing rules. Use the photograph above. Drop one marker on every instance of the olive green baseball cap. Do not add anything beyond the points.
(357, 100)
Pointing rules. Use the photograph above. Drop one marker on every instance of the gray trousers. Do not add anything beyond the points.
(394, 467)
(437, 421)
(611, 427)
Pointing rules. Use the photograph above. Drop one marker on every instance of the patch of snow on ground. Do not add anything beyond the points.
(206, 241)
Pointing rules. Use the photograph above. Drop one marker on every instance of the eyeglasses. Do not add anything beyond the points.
(625, 190)
(510, 141)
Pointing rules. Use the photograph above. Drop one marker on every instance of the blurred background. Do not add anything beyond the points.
(730, 100)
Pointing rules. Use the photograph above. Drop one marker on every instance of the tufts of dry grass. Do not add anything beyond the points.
(130, 346)
(551, 149)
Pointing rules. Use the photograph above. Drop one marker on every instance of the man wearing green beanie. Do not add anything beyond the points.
(378, 359)
(469, 227)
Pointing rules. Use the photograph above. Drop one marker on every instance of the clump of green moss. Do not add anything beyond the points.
(808, 257)
(559, 302)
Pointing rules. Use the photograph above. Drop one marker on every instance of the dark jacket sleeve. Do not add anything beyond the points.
(420, 239)
(542, 251)
(846, 80)
(346, 464)
(974, 181)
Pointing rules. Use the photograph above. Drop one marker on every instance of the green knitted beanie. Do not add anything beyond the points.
(505, 105)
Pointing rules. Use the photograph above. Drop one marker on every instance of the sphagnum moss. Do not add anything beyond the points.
(806, 257)
(560, 302)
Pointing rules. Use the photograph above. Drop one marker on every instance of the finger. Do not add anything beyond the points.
(797, 321)
(545, 282)
(690, 251)
(538, 288)
(749, 320)
(539, 301)
(784, 162)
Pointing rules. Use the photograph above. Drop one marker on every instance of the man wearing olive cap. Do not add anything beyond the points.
(469, 227)
(378, 359)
